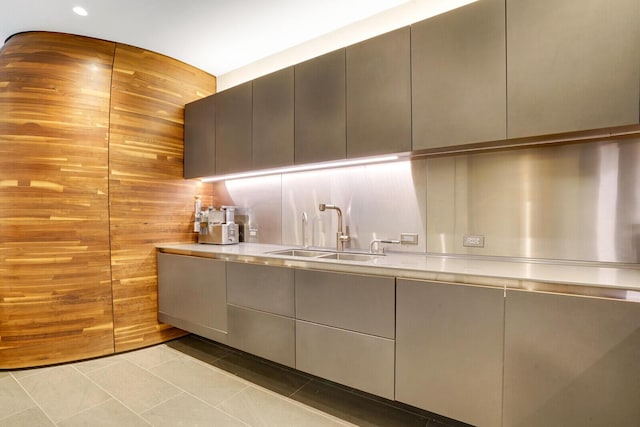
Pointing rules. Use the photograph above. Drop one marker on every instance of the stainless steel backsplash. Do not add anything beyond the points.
(569, 202)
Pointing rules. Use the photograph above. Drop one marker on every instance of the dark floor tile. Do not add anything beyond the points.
(281, 380)
(355, 408)
(200, 348)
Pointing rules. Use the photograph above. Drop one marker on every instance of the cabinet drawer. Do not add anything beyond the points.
(350, 301)
(261, 287)
(263, 334)
(350, 358)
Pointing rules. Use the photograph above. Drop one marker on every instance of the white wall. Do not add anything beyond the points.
(400, 16)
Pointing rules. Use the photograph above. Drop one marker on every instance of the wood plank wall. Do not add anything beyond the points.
(83, 200)
(55, 291)
(150, 202)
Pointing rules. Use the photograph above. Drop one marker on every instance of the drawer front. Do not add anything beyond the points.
(357, 360)
(261, 287)
(266, 335)
(349, 301)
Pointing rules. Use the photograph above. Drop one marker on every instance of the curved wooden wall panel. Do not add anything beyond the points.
(55, 292)
(90, 181)
(150, 201)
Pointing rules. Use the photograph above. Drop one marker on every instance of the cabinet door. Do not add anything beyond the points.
(572, 65)
(266, 335)
(449, 350)
(273, 120)
(459, 76)
(320, 109)
(192, 295)
(350, 301)
(261, 287)
(379, 95)
(353, 359)
(200, 138)
(233, 129)
(570, 359)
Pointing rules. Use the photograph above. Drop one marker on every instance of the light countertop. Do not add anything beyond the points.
(582, 278)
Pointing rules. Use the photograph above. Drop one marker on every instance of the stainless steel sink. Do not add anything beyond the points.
(346, 256)
(342, 256)
(300, 252)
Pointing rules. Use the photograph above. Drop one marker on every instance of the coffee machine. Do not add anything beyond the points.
(218, 227)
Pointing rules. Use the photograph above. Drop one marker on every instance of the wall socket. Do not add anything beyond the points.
(473, 240)
(408, 238)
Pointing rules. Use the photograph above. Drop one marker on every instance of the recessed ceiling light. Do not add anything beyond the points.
(79, 10)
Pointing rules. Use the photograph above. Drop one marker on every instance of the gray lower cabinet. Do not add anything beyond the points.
(264, 334)
(192, 295)
(273, 120)
(449, 350)
(572, 65)
(234, 114)
(571, 361)
(200, 138)
(261, 287)
(379, 95)
(458, 71)
(320, 109)
(355, 302)
(345, 329)
(261, 311)
(363, 361)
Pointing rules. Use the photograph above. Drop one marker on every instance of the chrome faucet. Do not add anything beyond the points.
(340, 236)
(376, 242)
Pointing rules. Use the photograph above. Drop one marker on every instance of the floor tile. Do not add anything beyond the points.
(199, 348)
(4, 374)
(260, 408)
(21, 373)
(109, 413)
(87, 366)
(281, 380)
(135, 387)
(13, 399)
(33, 417)
(355, 408)
(62, 392)
(151, 356)
(203, 381)
(185, 410)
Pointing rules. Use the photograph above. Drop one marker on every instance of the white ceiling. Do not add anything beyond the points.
(214, 35)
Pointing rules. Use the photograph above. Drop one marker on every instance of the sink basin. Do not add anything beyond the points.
(345, 256)
(299, 252)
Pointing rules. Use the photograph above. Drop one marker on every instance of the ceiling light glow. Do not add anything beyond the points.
(79, 10)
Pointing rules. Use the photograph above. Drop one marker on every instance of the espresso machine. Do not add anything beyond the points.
(217, 226)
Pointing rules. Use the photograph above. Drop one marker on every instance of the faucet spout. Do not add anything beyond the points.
(341, 238)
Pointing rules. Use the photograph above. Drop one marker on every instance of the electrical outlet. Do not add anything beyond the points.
(408, 238)
(473, 240)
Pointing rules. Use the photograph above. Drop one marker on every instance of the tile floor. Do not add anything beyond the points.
(190, 382)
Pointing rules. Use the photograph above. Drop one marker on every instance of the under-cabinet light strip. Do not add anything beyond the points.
(313, 166)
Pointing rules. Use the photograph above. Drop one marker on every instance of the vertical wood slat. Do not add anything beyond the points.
(55, 292)
(150, 203)
(83, 201)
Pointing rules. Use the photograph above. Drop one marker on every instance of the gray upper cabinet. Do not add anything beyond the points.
(273, 120)
(200, 138)
(572, 65)
(320, 109)
(233, 129)
(459, 76)
(379, 95)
